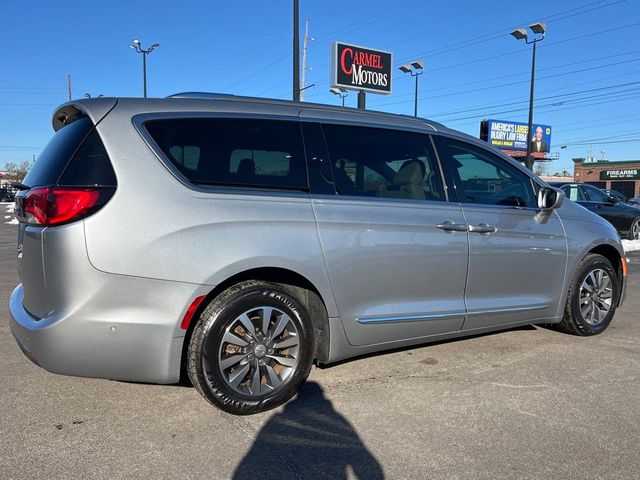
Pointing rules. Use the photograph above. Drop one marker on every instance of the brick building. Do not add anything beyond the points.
(623, 176)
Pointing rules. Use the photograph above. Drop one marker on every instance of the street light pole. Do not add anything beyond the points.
(137, 46)
(415, 68)
(340, 92)
(529, 161)
(521, 34)
(415, 99)
(144, 73)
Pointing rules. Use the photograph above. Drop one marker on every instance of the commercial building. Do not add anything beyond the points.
(623, 176)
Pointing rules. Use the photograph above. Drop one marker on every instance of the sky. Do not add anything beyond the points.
(587, 70)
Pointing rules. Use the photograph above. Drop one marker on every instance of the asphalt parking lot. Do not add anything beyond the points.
(526, 403)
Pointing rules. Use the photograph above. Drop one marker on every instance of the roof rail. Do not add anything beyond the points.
(201, 95)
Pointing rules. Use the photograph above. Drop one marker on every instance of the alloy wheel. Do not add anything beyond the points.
(595, 297)
(259, 351)
(635, 230)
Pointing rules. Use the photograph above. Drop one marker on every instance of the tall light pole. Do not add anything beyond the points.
(137, 46)
(340, 92)
(296, 50)
(540, 30)
(415, 68)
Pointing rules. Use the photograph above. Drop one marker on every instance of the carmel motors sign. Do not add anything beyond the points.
(360, 68)
(631, 174)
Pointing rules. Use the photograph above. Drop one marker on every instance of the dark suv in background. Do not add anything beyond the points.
(624, 217)
(6, 194)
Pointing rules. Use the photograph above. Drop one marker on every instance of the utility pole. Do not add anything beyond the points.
(296, 50)
(304, 60)
(69, 85)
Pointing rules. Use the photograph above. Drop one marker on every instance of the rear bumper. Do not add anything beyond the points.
(141, 345)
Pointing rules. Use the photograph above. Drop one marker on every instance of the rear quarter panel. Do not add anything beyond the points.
(157, 227)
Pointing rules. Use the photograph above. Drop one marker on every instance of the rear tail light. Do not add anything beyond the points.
(55, 206)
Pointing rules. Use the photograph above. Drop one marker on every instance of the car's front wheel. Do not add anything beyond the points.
(593, 297)
(251, 349)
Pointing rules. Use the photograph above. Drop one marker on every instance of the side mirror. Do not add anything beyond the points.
(550, 198)
(613, 199)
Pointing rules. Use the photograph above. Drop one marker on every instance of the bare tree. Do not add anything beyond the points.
(539, 168)
(17, 170)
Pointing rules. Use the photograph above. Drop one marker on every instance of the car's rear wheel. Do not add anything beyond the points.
(593, 297)
(634, 230)
(251, 349)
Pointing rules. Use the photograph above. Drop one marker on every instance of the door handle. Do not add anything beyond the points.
(482, 228)
(449, 226)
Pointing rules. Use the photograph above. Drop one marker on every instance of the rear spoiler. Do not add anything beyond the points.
(96, 109)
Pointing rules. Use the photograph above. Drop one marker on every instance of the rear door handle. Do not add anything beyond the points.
(449, 226)
(482, 228)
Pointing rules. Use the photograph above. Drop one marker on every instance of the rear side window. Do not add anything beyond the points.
(234, 152)
(573, 192)
(54, 158)
(375, 162)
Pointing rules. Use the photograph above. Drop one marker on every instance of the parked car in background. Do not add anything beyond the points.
(6, 194)
(294, 233)
(634, 200)
(616, 194)
(626, 218)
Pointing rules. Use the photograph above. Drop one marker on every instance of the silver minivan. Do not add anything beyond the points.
(237, 241)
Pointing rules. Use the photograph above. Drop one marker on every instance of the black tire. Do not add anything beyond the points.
(204, 370)
(635, 223)
(573, 321)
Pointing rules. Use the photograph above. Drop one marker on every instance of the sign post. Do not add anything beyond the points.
(361, 69)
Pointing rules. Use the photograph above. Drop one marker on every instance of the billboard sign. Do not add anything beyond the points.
(360, 68)
(512, 137)
(621, 174)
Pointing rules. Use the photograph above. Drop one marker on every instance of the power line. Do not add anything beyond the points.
(631, 140)
(456, 121)
(383, 16)
(586, 35)
(258, 72)
(480, 89)
(551, 18)
(500, 33)
(31, 88)
(513, 52)
(528, 72)
(320, 38)
(486, 106)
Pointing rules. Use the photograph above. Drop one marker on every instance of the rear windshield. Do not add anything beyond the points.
(54, 158)
(89, 166)
(234, 152)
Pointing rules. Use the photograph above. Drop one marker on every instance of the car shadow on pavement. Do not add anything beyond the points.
(309, 439)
